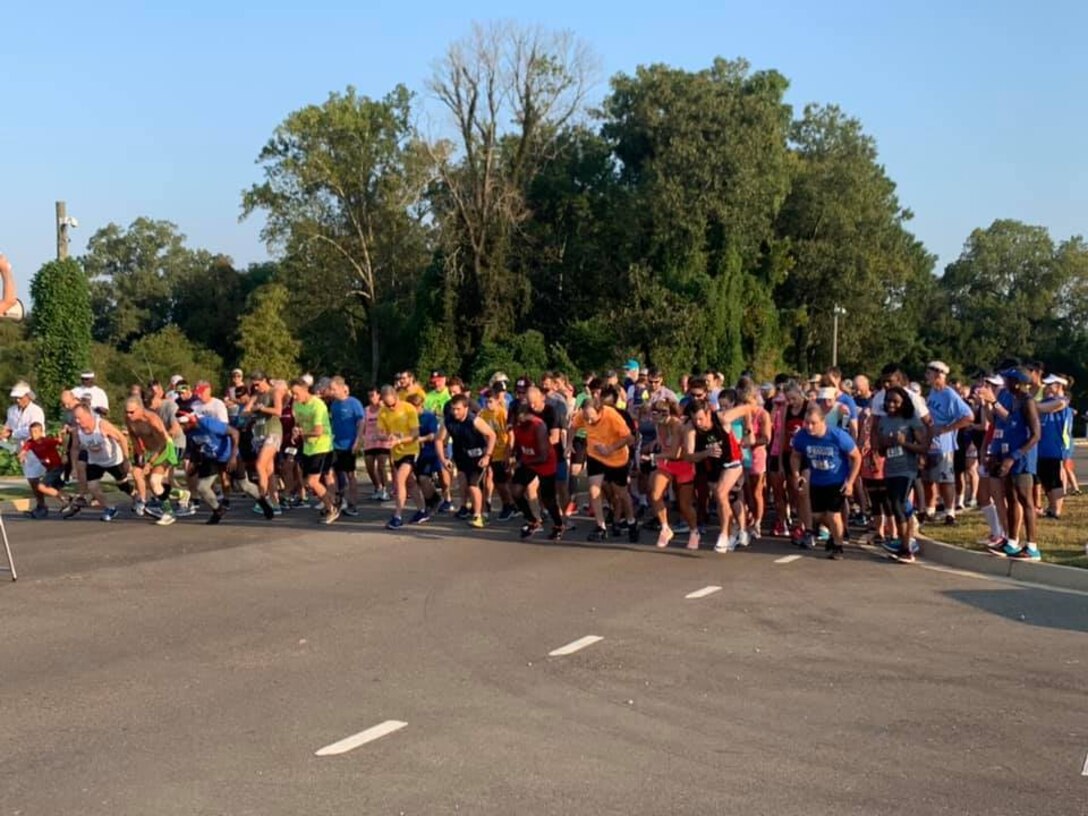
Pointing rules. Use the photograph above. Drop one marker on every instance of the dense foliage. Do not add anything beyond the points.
(688, 218)
(61, 327)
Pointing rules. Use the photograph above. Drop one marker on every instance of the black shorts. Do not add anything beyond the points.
(471, 470)
(774, 463)
(1050, 474)
(499, 473)
(409, 461)
(959, 461)
(428, 467)
(617, 476)
(207, 467)
(118, 472)
(315, 464)
(53, 478)
(344, 461)
(826, 498)
(376, 452)
(645, 466)
(525, 476)
(787, 464)
(578, 449)
(82, 456)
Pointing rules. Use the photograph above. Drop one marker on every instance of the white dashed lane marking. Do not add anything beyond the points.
(574, 646)
(362, 738)
(702, 593)
(788, 559)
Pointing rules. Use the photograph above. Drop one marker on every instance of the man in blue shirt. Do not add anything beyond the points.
(949, 414)
(348, 420)
(832, 461)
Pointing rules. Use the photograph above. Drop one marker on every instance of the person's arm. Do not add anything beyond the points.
(730, 415)
(360, 434)
(796, 461)
(764, 437)
(687, 447)
(489, 443)
(855, 469)
(111, 431)
(234, 441)
(1052, 405)
(8, 296)
(440, 446)
(160, 432)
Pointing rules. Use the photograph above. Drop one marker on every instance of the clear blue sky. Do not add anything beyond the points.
(124, 110)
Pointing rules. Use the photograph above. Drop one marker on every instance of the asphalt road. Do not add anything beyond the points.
(197, 670)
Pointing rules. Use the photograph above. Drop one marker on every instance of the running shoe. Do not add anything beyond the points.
(464, 514)
(477, 522)
(808, 541)
(780, 530)
(664, 537)
(77, 504)
(530, 528)
(332, 515)
(420, 517)
(1028, 553)
(753, 533)
(444, 507)
(693, 540)
(742, 538)
(508, 513)
(139, 508)
(722, 546)
(1010, 550)
(182, 511)
(109, 514)
(350, 510)
(166, 520)
(217, 515)
(556, 534)
(835, 552)
(682, 527)
(632, 533)
(394, 523)
(892, 546)
(949, 521)
(995, 544)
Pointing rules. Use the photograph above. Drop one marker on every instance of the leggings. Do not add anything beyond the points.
(878, 497)
(897, 489)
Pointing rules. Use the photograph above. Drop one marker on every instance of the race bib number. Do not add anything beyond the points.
(894, 452)
(474, 453)
(529, 451)
(290, 451)
(821, 464)
(999, 433)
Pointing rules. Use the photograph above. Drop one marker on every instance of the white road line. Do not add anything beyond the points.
(362, 738)
(1084, 770)
(788, 559)
(702, 593)
(573, 647)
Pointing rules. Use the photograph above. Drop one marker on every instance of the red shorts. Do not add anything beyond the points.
(678, 470)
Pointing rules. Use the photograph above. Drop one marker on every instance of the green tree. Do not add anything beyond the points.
(265, 341)
(342, 191)
(134, 275)
(61, 326)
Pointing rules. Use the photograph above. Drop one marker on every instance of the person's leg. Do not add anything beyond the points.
(701, 489)
(595, 483)
(550, 501)
(781, 502)
(139, 479)
(371, 462)
(1072, 485)
(1014, 510)
(754, 487)
(1025, 493)
(971, 482)
(519, 493)
(659, 484)
(726, 483)
(685, 502)
(401, 473)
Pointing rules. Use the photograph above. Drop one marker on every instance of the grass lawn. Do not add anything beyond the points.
(1061, 542)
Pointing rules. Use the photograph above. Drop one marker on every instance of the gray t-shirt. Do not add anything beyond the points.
(168, 413)
(899, 462)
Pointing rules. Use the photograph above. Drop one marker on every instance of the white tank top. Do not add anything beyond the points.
(101, 449)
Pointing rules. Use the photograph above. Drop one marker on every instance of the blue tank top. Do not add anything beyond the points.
(1011, 434)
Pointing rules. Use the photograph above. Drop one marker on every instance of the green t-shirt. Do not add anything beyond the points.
(435, 401)
(308, 416)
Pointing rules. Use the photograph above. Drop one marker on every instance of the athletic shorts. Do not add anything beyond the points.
(344, 461)
(825, 498)
(274, 441)
(53, 478)
(1050, 474)
(940, 468)
(410, 461)
(774, 463)
(428, 467)
(617, 476)
(376, 452)
(118, 472)
(645, 466)
(525, 476)
(499, 473)
(562, 470)
(959, 461)
(315, 464)
(578, 450)
(678, 470)
(82, 456)
(168, 457)
(471, 470)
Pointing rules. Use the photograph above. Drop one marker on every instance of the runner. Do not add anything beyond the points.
(87, 390)
(1013, 461)
(49, 483)
(107, 452)
(950, 414)
(755, 477)
(672, 468)
(375, 449)
(428, 468)
(1056, 440)
(900, 437)
(536, 463)
(264, 406)
(157, 456)
(398, 424)
(608, 441)
(498, 478)
(348, 431)
(314, 432)
(473, 442)
(213, 452)
(24, 413)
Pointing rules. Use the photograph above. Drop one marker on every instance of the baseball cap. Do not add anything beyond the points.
(257, 375)
(523, 382)
(438, 372)
(937, 365)
(87, 375)
(203, 390)
(1054, 379)
(631, 365)
(181, 385)
(20, 389)
(827, 394)
(308, 379)
(236, 372)
(767, 387)
(995, 379)
(1016, 375)
(175, 379)
(499, 376)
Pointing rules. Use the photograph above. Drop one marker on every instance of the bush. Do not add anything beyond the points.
(61, 324)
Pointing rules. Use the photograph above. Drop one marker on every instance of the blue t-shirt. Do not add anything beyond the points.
(851, 406)
(1057, 438)
(946, 407)
(344, 416)
(212, 437)
(428, 424)
(827, 456)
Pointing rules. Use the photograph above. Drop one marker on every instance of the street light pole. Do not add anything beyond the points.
(836, 312)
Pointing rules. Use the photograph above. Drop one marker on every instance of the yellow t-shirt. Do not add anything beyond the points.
(414, 388)
(400, 421)
(496, 420)
(609, 430)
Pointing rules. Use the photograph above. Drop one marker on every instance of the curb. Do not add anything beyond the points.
(1052, 575)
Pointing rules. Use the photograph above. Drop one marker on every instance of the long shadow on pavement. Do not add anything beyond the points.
(1051, 610)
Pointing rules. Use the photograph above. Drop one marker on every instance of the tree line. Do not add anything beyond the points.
(690, 219)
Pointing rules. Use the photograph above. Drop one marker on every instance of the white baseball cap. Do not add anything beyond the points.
(1054, 379)
(20, 390)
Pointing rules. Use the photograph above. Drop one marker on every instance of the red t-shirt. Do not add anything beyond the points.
(46, 449)
(525, 437)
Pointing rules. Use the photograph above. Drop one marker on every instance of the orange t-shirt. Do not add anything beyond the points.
(609, 430)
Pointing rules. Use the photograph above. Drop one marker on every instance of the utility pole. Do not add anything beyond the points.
(63, 224)
(837, 312)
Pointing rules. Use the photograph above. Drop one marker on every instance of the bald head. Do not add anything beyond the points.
(534, 397)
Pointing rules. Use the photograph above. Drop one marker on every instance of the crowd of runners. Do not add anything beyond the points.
(804, 458)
